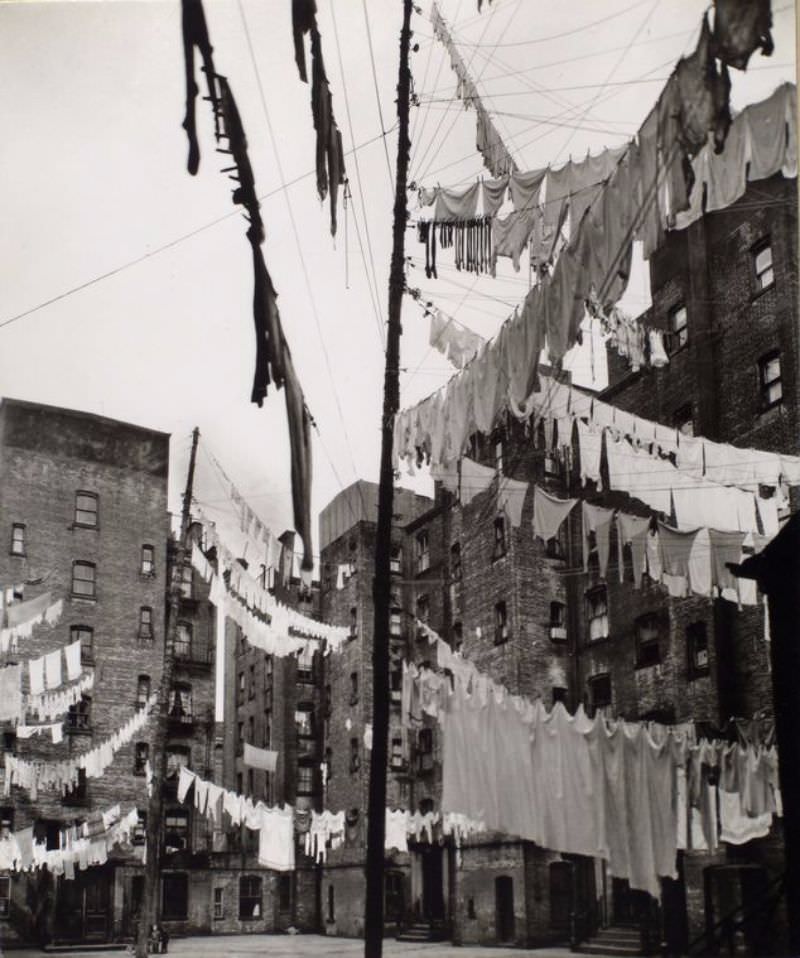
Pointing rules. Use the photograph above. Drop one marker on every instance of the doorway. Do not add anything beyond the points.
(432, 881)
(627, 905)
(504, 907)
(560, 897)
(83, 909)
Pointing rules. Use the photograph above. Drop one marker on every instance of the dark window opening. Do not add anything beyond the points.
(141, 756)
(145, 622)
(355, 758)
(683, 420)
(558, 622)
(599, 692)
(305, 780)
(423, 552)
(354, 688)
(697, 647)
(500, 623)
(85, 635)
(176, 830)
(148, 566)
(500, 538)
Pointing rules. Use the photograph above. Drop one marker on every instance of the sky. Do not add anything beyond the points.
(127, 283)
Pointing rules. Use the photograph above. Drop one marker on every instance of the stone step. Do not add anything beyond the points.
(595, 947)
(85, 948)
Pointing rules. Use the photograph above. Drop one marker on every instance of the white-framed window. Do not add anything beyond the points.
(423, 552)
(148, 566)
(769, 380)
(678, 328)
(84, 580)
(763, 268)
(219, 908)
(597, 613)
(86, 509)
(18, 539)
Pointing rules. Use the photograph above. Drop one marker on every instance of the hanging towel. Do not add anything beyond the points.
(475, 479)
(10, 693)
(596, 520)
(768, 513)
(549, 513)
(494, 193)
(690, 455)
(525, 189)
(725, 547)
(510, 235)
(700, 572)
(676, 549)
(36, 672)
(72, 654)
(276, 839)
(52, 669)
(454, 205)
(511, 498)
(632, 530)
(590, 444)
(767, 121)
(185, 779)
(260, 758)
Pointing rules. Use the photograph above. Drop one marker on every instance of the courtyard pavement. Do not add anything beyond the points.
(310, 946)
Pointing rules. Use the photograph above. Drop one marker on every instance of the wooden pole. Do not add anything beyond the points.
(376, 808)
(149, 911)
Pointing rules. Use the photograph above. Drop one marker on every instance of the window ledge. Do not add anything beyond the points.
(17, 555)
(758, 293)
(770, 412)
(77, 599)
(84, 525)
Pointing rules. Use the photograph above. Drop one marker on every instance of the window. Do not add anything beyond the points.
(183, 640)
(85, 635)
(304, 721)
(174, 896)
(697, 647)
(239, 738)
(353, 622)
(305, 780)
(558, 622)
(180, 702)
(770, 387)
(251, 729)
(423, 552)
(86, 509)
(79, 716)
(251, 692)
(328, 764)
(5, 896)
(397, 758)
(78, 794)
(177, 758)
(145, 622)
(305, 663)
(396, 622)
(599, 692)
(396, 560)
(139, 835)
(219, 910)
(249, 896)
(355, 758)
(683, 420)
(284, 893)
(268, 728)
(242, 684)
(176, 829)
(500, 623)
(597, 613)
(251, 782)
(18, 539)
(648, 649)
(142, 691)
(6, 822)
(141, 755)
(148, 566)
(500, 544)
(184, 576)
(425, 750)
(83, 580)
(10, 742)
(762, 265)
(678, 328)
(353, 688)
(458, 636)
(554, 548)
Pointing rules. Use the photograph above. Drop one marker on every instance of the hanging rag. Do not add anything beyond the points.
(510, 236)
(457, 205)
(260, 758)
(632, 530)
(475, 479)
(52, 669)
(36, 675)
(767, 122)
(300, 445)
(597, 521)
(493, 193)
(549, 513)
(195, 34)
(590, 444)
(676, 549)
(511, 498)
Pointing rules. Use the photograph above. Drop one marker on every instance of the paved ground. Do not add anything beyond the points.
(309, 946)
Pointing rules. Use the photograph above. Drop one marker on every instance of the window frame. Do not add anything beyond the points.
(218, 902)
(82, 523)
(502, 631)
(354, 688)
(76, 634)
(79, 716)
(765, 385)
(256, 899)
(144, 561)
(146, 632)
(592, 683)
(305, 780)
(141, 756)
(184, 831)
(143, 684)
(764, 244)
(678, 338)
(592, 615)
(15, 527)
(456, 566)
(500, 546)
(423, 551)
(692, 630)
(557, 625)
(651, 623)
(83, 564)
(355, 755)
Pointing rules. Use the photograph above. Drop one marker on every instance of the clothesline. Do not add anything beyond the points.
(21, 618)
(64, 776)
(52, 704)
(82, 846)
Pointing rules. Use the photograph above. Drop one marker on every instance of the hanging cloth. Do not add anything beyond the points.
(549, 513)
(740, 28)
(590, 444)
(260, 758)
(597, 520)
(455, 206)
(493, 193)
(475, 479)
(632, 530)
(511, 498)
(767, 122)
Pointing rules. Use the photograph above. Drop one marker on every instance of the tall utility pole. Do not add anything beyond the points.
(376, 808)
(148, 914)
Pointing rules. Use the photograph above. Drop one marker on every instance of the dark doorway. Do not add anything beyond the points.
(395, 897)
(560, 897)
(83, 908)
(432, 878)
(733, 894)
(627, 906)
(673, 903)
(504, 907)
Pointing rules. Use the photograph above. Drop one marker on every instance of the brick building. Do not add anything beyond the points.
(725, 291)
(83, 501)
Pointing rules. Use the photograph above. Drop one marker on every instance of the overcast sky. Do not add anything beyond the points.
(93, 181)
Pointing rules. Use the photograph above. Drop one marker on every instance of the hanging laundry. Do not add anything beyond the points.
(511, 235)
(475, 479)
(653, 220)
(590, 444)
(549, 513)
(511, 498)
(585, 181)
(276, 839)
(493, 194)
(740, 28)
(632, 531)
(260, 758)
(459, 344)
(52, 666)
(456, 206)
(195, 34)
(10, 693)
(768, 122)
(597, 521)
(36, 675)
(703, 97)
